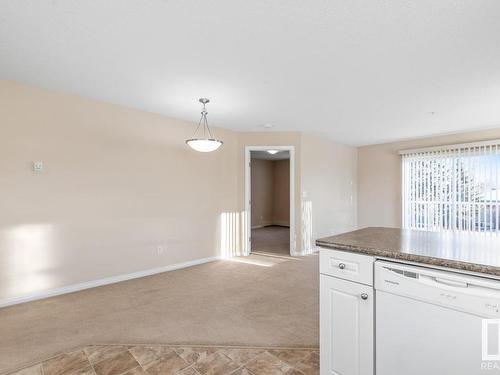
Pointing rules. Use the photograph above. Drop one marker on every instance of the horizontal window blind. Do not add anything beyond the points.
(452, 188)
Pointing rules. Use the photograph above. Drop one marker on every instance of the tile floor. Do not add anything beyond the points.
(181, 360)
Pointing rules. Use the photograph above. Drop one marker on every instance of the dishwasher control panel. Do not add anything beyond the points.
(471, 294)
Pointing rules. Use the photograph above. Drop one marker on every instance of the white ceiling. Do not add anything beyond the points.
(357, 71)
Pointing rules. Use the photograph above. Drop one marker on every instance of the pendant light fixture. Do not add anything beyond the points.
(207, 143)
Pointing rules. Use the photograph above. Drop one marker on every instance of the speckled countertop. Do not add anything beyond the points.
(476, 252)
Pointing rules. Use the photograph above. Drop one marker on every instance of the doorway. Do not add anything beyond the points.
(270, 199)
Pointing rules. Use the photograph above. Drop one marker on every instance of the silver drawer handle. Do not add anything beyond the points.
(341, 266)
(364, 296)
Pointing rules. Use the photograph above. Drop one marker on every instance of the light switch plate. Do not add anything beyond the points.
(37, 166)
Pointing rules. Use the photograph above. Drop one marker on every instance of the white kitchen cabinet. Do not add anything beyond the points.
(346, 332)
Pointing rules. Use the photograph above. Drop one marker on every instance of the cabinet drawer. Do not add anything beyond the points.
(348, 266)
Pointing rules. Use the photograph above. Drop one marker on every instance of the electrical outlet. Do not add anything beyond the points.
(159, 250)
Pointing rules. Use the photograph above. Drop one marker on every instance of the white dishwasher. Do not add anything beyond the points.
(430, 321)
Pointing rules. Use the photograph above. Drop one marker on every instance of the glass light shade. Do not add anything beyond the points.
(204, 145)
(272, 152)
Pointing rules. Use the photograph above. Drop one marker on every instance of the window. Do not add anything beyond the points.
(452, 188)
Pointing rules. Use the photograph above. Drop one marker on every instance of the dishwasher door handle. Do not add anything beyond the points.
(439, 280)
(458, 284)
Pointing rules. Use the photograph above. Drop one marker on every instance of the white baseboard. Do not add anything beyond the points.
(94, 283)
(277, 224)
(258, 226)
(282, 223)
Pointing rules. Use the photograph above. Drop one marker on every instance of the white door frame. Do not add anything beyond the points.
(248, 192)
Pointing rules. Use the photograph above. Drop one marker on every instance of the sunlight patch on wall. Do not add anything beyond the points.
(233, 232)
(26, 252)
(308, 243)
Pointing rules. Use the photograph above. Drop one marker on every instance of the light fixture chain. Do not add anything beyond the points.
(198, 127)
(208, 128)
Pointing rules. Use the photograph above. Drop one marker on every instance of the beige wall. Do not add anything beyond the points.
(270, 191)
(262, 180)
(281, 201)
(117, 184)
(329, 188)
(379, 176)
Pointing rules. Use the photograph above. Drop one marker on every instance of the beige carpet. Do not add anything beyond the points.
(272, 239)
(260, 301)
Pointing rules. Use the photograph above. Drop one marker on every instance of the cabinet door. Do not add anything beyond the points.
(346, 327)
